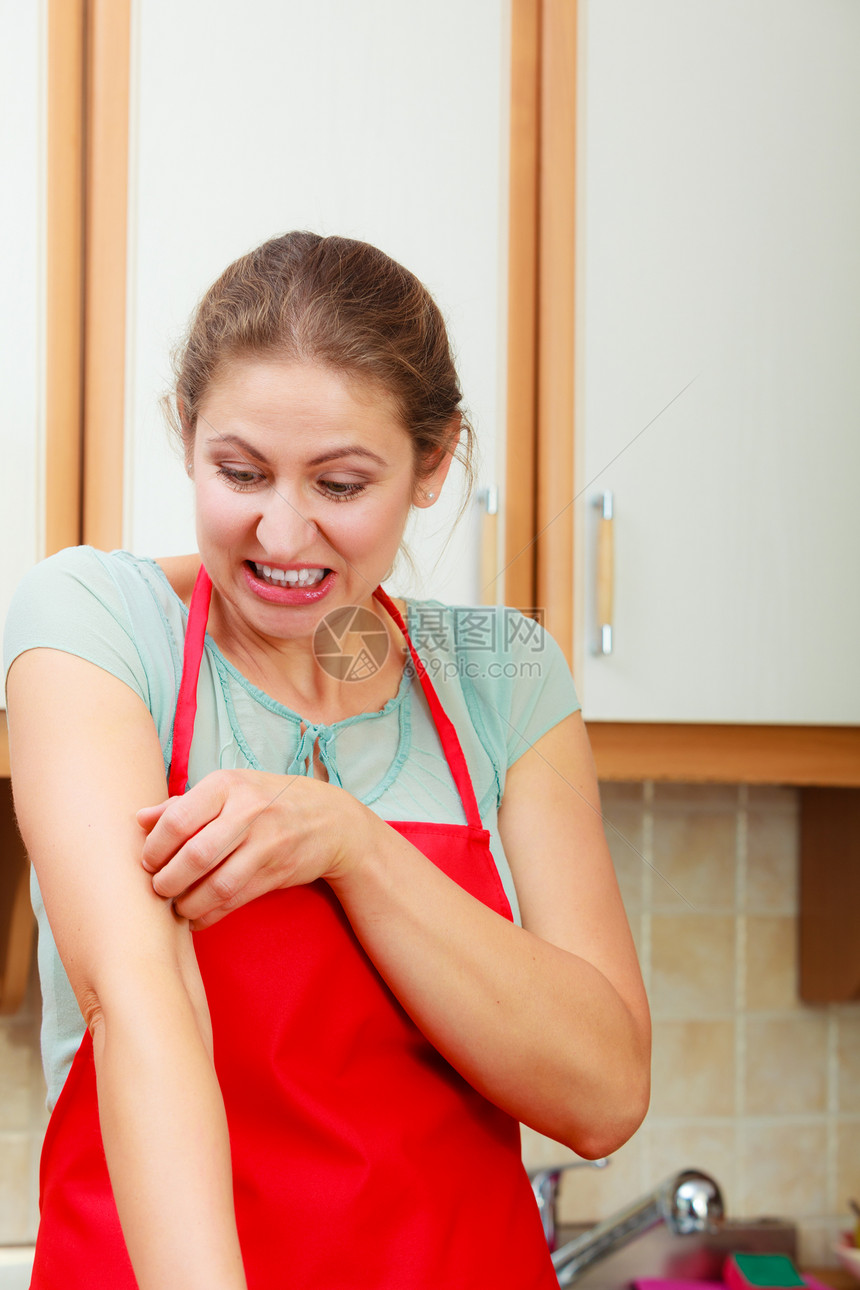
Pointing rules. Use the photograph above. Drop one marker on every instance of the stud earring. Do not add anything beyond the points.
(429, 496)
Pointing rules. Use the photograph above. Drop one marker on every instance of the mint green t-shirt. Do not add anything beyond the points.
(502, 680)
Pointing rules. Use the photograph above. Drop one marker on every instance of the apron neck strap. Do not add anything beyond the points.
(186, 703)
(445, 727)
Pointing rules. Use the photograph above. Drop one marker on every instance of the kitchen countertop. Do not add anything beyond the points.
(837, 1278)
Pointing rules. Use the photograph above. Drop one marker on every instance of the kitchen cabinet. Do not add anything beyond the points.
(41, 149)
(718, 403)
(22, 318)
(22, 224)
(148, 150)
(685, 262)
(41, 154)
(380, 121)
(689, 232)
(718, 389)
(376, 121)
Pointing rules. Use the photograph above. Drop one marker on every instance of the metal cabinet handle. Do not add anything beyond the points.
(605, 572)
(488, 499)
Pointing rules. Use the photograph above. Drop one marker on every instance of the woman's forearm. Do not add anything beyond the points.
(537, 1029)
(86, 754)
(166, 1141)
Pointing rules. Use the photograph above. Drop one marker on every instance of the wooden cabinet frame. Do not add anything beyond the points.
(87, 184)
(539, 532)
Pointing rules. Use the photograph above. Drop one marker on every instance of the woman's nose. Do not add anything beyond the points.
(285, 527)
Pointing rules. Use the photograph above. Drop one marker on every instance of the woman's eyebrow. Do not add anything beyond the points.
(332, 454)
(347, 450)
(218, 440)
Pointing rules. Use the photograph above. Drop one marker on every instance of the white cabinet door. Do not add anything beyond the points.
(720, 256)
(22, 126)
(378, 120)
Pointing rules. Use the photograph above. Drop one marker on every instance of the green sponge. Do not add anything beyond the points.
(760, 1272)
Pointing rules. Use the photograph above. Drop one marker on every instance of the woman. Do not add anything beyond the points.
(321, 1086)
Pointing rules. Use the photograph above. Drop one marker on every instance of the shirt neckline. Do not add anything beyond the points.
(266, 700)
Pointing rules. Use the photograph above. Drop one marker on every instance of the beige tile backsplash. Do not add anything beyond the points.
(771, 963)
(848, 1050)
(786, 1166)
(749, 1084)
(692, 964)
(688, 1069)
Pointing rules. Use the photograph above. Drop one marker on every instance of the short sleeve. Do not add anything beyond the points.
(515, 678)
(543, 692)
(73, 602)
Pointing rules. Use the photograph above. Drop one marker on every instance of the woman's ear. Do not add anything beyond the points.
(429, 486)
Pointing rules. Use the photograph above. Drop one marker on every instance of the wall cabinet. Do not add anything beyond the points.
(196, 141)
(718, 329)
(22, 430)
(688, 346)
(22, 317)
(40, 330)
(377, 121)
(718, 406)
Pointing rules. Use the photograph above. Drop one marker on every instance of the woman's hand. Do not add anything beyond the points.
(240, 833)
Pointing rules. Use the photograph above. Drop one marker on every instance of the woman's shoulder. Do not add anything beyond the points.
(87, 571)
(111, 607)
(181, 573)
(89, 568)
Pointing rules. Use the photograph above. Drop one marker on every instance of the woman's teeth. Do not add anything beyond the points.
(288, 577)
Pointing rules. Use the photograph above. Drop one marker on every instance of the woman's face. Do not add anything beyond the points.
(304, 479)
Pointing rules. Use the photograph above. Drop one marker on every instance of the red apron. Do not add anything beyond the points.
(361, 1159)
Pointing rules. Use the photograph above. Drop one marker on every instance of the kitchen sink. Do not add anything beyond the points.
(659, 1253)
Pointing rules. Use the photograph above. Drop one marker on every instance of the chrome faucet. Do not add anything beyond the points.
(687, 1202)
(545, 1187)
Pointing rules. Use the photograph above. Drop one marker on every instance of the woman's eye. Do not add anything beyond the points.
(339, 491)
(239, 479)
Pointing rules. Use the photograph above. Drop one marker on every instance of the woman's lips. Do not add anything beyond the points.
(299, 575)
(286, 593)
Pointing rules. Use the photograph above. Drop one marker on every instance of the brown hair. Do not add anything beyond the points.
(334, 301)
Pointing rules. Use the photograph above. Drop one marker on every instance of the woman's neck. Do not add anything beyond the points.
(321, 687)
